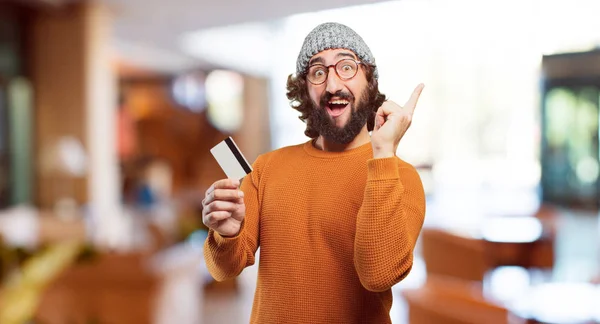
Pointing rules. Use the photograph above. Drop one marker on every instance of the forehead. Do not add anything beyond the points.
(331, 55)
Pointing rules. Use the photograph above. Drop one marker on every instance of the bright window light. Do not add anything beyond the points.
(224, 91)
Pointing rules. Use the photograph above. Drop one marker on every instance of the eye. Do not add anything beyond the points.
(318, 72)
(347, 68)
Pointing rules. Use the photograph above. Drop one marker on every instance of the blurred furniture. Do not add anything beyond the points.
(162, 288)
(518, 241)
(498, 241)
(446, 300)
(447, 253)
(111, 289)
(53, 229)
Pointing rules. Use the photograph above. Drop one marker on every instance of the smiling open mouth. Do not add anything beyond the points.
(335, 108)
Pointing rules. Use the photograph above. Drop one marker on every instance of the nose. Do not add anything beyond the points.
(334, 84)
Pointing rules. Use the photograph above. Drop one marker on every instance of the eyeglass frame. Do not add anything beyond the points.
(358, 63)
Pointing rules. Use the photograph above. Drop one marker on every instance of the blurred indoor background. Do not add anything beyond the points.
(108, 110)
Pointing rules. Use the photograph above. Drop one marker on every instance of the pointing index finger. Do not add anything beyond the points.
(414, 98)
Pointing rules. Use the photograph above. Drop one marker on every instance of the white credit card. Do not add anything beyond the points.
(231, 160)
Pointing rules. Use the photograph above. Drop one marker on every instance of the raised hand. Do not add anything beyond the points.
(223, 208)
(391, 123)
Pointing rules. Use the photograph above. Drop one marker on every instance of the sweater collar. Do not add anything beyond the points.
(310, 149)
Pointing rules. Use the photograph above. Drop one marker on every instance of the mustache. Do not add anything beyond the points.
(339, 94)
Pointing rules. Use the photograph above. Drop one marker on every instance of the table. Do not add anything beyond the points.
(518, 241)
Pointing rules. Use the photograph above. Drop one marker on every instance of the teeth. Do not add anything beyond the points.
(339, 102)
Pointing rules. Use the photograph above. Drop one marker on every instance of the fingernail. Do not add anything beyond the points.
(236, 182)
(241, 194)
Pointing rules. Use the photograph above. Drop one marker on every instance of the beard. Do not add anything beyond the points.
(360, 114)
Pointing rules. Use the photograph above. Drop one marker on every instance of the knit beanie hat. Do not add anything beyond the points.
(330, 36)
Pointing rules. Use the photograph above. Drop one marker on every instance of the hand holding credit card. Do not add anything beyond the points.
(230, 159)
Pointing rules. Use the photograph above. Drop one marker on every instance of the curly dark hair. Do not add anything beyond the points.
(297, 93)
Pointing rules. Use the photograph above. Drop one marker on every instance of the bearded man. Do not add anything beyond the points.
(337, 218)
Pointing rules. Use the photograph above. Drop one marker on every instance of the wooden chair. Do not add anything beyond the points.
(449, 254)
(446, 300)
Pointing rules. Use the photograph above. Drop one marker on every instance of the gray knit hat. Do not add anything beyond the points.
(333, 35)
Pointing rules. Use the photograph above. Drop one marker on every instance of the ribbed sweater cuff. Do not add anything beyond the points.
(382, 169)
(222, 240)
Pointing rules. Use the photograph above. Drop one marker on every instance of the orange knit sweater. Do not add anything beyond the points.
(336, 231)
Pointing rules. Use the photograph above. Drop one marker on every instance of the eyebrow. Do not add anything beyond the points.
(316, 60)
(338, 55)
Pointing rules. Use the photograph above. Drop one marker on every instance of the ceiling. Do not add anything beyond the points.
(147, 32)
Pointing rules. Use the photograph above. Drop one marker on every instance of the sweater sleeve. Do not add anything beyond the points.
(388, 223)
(226, 257)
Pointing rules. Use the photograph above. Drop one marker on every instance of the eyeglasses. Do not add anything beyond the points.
(346, 69)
